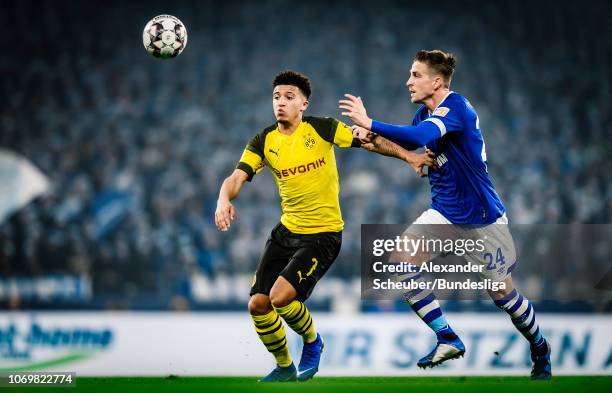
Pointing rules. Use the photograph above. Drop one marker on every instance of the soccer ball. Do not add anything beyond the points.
(165, 36)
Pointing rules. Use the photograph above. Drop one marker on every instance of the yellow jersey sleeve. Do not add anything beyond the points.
(334, 131)
(252, 160)
(343, 136)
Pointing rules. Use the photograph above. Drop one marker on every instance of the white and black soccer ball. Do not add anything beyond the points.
(165, 36)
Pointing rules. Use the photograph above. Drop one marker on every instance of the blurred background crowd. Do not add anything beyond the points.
(136, 148)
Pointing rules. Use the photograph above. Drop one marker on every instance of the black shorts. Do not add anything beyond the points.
(301, 259)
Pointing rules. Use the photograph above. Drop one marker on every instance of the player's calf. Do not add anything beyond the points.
(297, 316)
(523, 318)
(427, 307)
(269, 328)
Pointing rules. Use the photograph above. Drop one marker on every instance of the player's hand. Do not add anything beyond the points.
(362, 134)
(224, 215)
(368, 146)
(432, 156)
(356, 111)
(419, 161)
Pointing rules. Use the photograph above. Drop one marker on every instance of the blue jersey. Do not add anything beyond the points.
(461, 189)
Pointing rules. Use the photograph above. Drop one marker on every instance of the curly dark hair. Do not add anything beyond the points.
(293, 78)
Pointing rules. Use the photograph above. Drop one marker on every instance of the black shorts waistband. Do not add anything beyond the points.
(285, 231)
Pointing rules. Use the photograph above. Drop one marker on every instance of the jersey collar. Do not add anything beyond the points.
(299, 127)
(443, 99)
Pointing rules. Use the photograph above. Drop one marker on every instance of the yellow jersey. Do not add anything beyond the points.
(304, 167)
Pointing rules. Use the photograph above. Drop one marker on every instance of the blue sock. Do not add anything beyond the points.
(523, 318)
(426, 306)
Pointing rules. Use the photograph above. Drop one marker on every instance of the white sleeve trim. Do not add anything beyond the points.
(439, 123)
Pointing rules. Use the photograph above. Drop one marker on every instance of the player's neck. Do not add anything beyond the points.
(435, 100)
(289, 128)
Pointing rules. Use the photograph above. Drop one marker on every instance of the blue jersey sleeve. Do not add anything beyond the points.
(407, 135)
(444, 119)
(448, 118)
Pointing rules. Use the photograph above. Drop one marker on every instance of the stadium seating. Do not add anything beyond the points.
(111, 125)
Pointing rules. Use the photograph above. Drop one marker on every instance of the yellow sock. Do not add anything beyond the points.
(298, 318)
(270, 330)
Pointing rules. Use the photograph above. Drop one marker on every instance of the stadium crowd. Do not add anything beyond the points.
(136, 148)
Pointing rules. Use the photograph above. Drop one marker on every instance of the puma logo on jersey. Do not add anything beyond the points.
(272, 151)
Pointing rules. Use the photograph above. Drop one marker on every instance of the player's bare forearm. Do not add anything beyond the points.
(385, 147)
(417, 161)
(232, 184)
(230, 189)
(378, 144)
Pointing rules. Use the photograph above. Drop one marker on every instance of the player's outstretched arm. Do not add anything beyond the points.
(381, 145)
(230, 188)
(419, 135)
(417, 161)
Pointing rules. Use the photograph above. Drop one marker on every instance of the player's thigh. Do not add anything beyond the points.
(424, 238)
(274, 259)
(496, 253)
(311, 261)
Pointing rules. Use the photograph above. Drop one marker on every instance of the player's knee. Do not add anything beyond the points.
(259, 304)
(280, 298)
(505, 288)
(409, 250)
(409, 257)
(282, 293)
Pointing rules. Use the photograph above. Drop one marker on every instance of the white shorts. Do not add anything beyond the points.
(497, 253)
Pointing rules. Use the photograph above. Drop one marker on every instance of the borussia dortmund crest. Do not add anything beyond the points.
(309, 141)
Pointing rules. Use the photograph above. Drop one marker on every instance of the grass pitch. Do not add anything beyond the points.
(333, 384)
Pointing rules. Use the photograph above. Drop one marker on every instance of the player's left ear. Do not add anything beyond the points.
(305, 105)
(438, 83)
